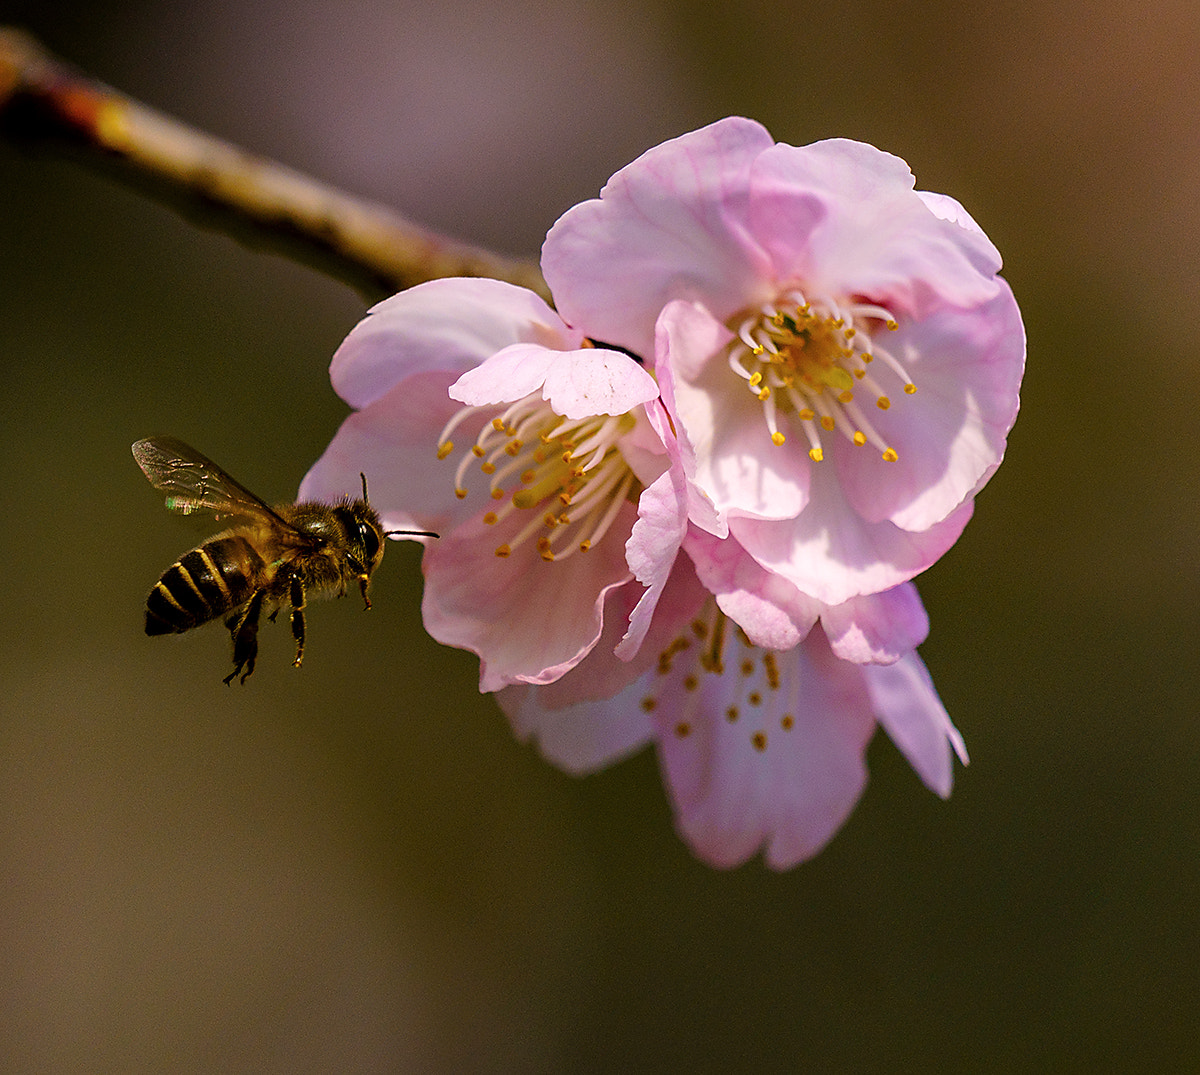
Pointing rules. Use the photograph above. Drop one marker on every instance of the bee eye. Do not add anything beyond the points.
(370, 540)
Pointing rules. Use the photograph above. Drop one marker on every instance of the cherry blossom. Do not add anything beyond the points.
(760, 749)
(482, 416)
(838, 356)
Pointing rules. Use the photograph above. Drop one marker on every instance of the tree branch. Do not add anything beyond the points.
(44, 101)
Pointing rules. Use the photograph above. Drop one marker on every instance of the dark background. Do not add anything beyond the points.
(354, 867)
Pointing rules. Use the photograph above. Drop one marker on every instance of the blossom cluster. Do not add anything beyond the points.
(685, 505)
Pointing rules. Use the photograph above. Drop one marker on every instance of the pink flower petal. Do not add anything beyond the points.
(950, 435)
(784, 775)
(904, 699)
(772, 612)
(597, 381)
(877, 628)
(666, 226)
(873, 235)
(723, 439)
(449, 324)
(528, 620)
(832, 554)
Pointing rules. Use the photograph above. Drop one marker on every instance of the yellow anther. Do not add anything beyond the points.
(497, 494)
(503, 550)
(892, 324)
(490, 518)
(827, 423)
(883, 403)
(759, 739)
(527, 476)
(815, 454)
(445, 448)
(498, 425)
(488, 468)
(859, 438)
(846, 397)
(756, 378)
(806, 414)
(460, 493)
(478, 452)
(777, 438)
(585, 544)
(513, 448)
(890, 455)
(731, 714)
(765, 394)
(786, 722)
(909, 389)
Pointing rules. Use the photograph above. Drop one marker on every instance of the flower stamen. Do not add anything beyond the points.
(808, 359)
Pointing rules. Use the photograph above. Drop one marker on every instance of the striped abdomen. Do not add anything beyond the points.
(202, 585)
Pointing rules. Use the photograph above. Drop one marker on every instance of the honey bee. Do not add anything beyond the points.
(277, 558)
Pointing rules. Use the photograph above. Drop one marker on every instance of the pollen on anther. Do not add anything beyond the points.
(827, 423)
(731, 714)
(777, 438)
(497, 494)
(460, 493)
(690, 683)
(498, 425)
(478, 452)
(860, 438)
(490, 518)
(649, 704)
(765, 394)
(909, 389)
(759, 739)
(890, 456)
(683, 729)
(747, 667)
(754, 698)
(584, 545)
(755, 378)
(488, 468)
(883, 403)
(513, 448)
(786, 722)
(445, 448)
(503, 551)
(528, 476)
(816, 455)
(846, 397)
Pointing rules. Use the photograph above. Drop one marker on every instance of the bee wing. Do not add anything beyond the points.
(193, 482)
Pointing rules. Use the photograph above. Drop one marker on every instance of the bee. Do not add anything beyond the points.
(277, 558)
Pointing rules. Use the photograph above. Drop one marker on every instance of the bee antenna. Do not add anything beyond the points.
(364, 481)
(411, 533)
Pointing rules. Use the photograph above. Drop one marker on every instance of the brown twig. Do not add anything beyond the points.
(42, 98)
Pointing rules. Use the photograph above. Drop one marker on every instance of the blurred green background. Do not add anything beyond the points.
(354, 868)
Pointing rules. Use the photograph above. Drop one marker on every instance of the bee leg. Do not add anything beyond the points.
(296, 596)
(243, 629)
(362, 585)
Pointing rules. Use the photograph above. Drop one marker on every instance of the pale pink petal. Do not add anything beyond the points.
(907, 705)
(772, 612)
(580, 738)
(668, 226)
(832, 554)
(449, 324)
(724, 442)
(651, 550)
(594, 715)
(874, 236)
(950, 435)
(528, 620)
(601, 674)
(512, 373)
(393, 442)
(877, 628)
(784, 775)
(596, 381)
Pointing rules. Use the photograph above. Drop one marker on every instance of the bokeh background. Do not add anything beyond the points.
(354, 868)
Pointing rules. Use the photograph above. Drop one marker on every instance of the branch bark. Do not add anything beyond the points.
(45, 101)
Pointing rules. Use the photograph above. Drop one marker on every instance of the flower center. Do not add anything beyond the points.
(567, 474)
(813, 361)
(749, 695)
